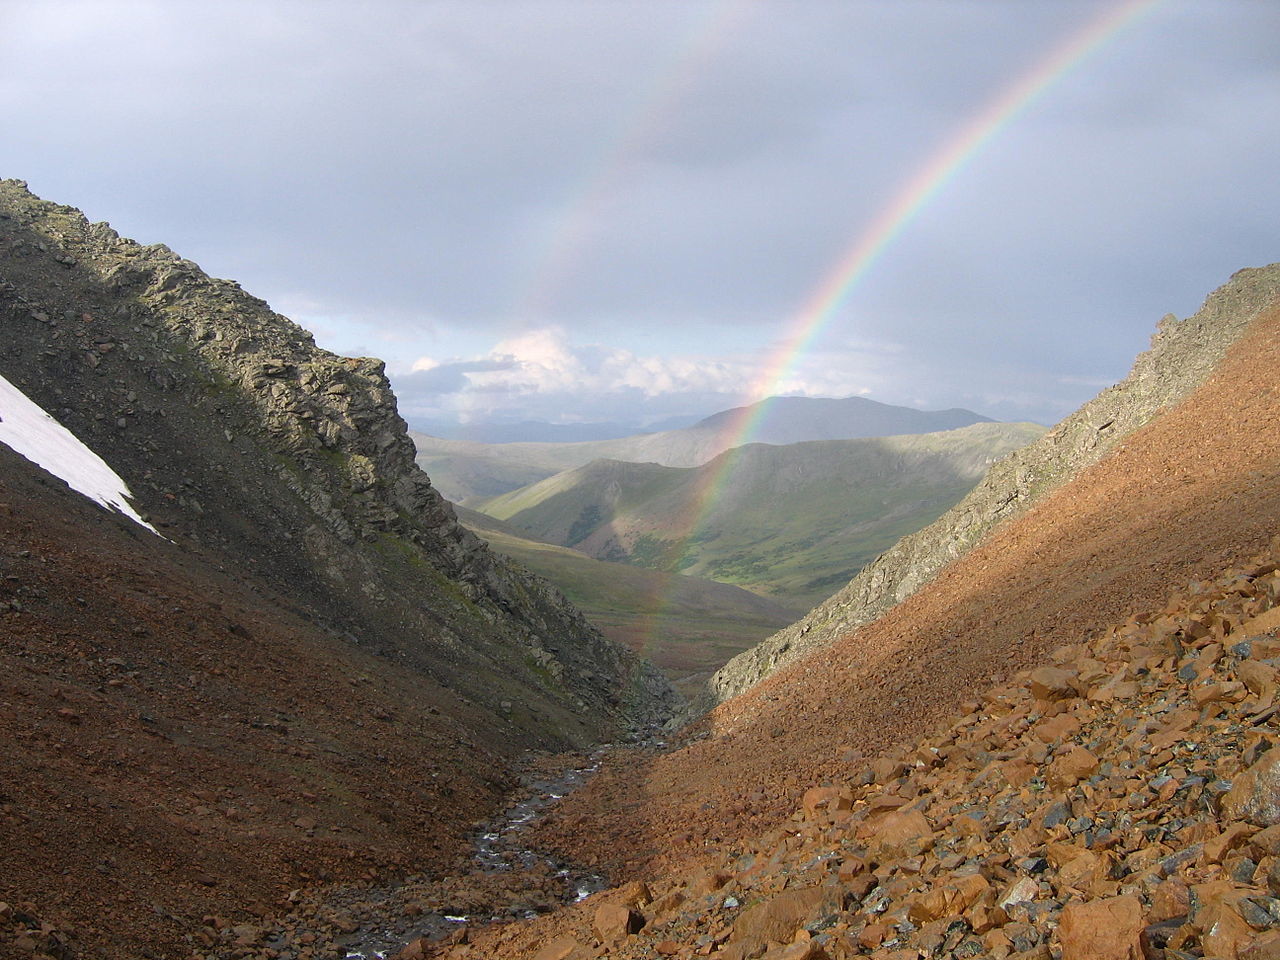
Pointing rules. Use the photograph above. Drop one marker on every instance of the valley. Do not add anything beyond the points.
(687, 626)
(1030, 713)
(466, 470)
(791, 522)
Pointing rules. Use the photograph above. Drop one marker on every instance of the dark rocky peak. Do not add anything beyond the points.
(240, 437)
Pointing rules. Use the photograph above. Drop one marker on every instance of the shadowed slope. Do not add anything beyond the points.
(316, 672)
(180, 740)
(236, 432)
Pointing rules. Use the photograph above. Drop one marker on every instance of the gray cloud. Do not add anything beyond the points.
(669, 177)
(447, 378)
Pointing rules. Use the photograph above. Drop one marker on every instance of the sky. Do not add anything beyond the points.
(603, 210)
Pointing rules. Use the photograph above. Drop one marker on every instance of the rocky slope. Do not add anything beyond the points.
(1118, 802)
(1194, 491)
(1182, 354)
(314, 676)
(179, 741)
(236, 432)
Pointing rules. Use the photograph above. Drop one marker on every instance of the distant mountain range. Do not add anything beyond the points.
(792, 522)
(795, 419)
(537, 431)
(461, 469)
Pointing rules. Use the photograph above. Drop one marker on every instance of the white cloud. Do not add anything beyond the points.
(542, 374)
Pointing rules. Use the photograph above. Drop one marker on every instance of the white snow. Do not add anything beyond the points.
(30, 431)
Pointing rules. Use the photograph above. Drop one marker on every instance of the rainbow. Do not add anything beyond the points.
(569, 234)
(821, 306)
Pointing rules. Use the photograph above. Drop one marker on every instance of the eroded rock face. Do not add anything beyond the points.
(242, 438)
(1182, 355)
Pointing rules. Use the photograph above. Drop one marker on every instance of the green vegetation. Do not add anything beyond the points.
(465, 471)
(687, 626)
(791, 522)
(587, 521)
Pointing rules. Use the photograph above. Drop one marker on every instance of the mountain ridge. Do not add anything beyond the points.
(1182, 354)
(469, 470)
(791, 522)
(138, 350)
(314, 674)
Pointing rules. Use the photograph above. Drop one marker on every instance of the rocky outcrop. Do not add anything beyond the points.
(1182, 355)
(243, 439)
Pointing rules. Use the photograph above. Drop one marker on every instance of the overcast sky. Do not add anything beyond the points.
(606, 210)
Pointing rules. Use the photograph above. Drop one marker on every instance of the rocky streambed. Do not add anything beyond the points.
(507, 879)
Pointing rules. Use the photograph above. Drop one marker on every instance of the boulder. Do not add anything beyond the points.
(1266, 947)
(615, 921)
(827, 800)
(1070, 768)
(562, 948)
(780, 917)
(1052, 683)
(1263, 623)
(898, 834)
(1259, 677)
(1062, 727)
(949, 899)
(1102, 930)
(1255, 794)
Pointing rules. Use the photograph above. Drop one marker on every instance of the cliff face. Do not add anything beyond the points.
(1182, 355)
(245, 442)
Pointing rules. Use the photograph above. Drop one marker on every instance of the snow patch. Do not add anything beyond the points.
(28, 430)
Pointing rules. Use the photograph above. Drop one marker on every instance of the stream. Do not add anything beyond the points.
(388, 917)
(500, 845)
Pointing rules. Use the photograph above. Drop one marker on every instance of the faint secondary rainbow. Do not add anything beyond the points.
(871, 243)
(563, 243)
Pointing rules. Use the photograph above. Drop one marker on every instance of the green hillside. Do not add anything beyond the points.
(688, 627)
(791, 522)
(463, 470)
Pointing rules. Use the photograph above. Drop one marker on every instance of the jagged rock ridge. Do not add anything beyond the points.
(240, 437)
(1183, 353)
